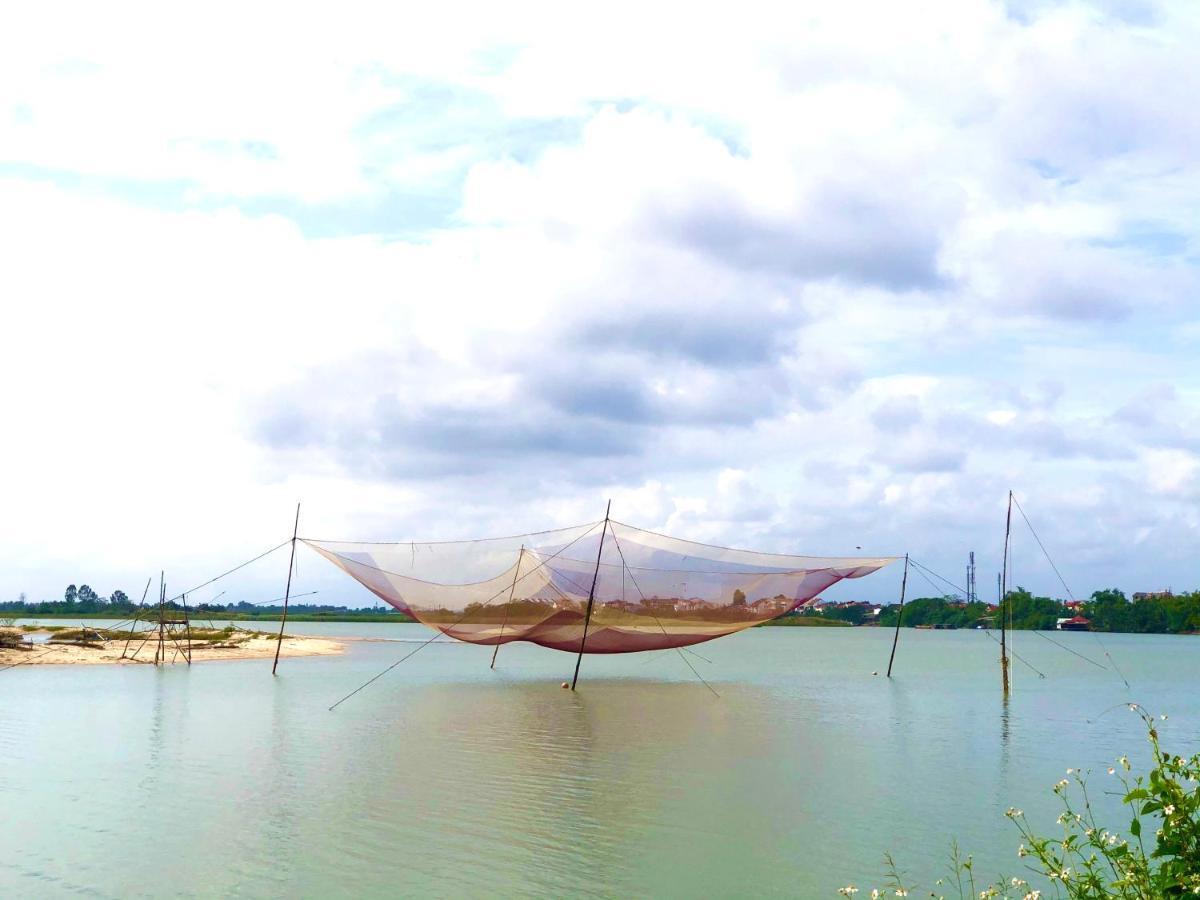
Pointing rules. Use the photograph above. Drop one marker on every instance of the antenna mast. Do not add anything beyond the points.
(972, 592)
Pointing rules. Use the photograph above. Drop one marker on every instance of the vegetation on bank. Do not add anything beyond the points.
(1158, 855)
(1107, 610)
(811, 621)
(85, 603)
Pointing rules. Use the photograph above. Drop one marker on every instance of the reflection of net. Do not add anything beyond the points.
(652, 591)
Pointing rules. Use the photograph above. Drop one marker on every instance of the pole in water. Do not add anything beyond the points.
(507, 606)
(587, 617)
(899, 616)
(160, 652)
(288, 590)
(1000, 609)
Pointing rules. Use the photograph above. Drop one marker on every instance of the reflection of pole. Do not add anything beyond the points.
(1003, 599)
(508, 606)
(287, 591)
(587, 617)
(899, 616)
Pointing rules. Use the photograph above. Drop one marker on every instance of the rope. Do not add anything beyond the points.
(957, 590)
(1014, 653)
(439, 633)
(1070, 593)
(32, 658)
(737, 550)
(621, 553)
(1069, 650)
(231, 571)
(1040, 634)
(590, 526)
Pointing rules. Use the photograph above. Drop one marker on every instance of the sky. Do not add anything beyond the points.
(825, 279)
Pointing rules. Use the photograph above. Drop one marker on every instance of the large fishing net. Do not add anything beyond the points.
(648, 591)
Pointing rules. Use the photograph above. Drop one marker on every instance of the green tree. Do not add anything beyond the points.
(1030, 612)
(70, 594)
(118, 597)
(739, 597)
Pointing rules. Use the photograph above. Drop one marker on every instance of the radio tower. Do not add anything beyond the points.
(972, 594)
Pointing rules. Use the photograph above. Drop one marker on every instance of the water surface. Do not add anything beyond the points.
(445, 778)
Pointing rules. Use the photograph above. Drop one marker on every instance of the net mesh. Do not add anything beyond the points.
(652, 592)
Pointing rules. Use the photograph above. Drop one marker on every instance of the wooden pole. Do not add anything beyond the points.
(587, 618)
(511, 590)
(288, 590)
(1003, 597)
(899, 616)
(161, 652)
(187, 624)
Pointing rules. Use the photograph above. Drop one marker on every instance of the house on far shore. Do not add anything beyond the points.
(1075, 623)
(1153, 595)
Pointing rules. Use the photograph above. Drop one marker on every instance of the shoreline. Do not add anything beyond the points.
(110, 652)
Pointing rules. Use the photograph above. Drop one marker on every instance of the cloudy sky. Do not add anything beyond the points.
(802, 282)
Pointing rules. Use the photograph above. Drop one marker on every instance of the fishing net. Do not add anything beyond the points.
(650, 591)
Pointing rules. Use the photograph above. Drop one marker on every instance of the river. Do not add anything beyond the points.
(445, 778)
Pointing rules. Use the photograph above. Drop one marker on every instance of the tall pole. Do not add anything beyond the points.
(511, 590)
(587, 617)
(161, 652)
(899, 617)
(1003, 598)
(187, 623)
(288, 590)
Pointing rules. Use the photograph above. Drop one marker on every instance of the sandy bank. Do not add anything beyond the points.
(110, 652)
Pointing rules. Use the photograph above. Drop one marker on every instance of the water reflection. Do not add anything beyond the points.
(449, 778)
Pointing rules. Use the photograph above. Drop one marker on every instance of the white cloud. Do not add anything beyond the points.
(775, 279)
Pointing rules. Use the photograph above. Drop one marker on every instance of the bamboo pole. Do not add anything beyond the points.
(511, 590)
(899, 617)
(587, 618)
(1003, 597)
(288, 590)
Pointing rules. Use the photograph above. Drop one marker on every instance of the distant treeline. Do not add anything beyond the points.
(1108, 610)
(86, 603)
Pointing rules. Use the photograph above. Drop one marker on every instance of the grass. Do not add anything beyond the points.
(807, 622)
(217, 638)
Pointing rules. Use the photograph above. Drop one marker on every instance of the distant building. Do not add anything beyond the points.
(772, 605)
(1153, 595)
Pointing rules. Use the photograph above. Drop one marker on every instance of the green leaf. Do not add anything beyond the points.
(1137, 794)
(1135, 828)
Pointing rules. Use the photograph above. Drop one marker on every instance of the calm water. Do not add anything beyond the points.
(447, 779)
